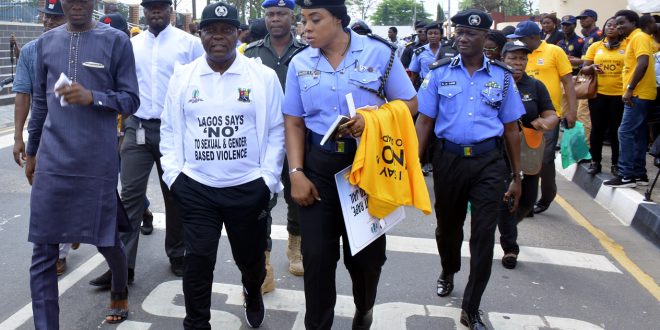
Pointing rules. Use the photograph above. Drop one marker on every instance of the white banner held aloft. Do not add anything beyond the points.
(361, 227)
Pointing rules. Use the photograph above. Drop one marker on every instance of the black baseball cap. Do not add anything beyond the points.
(219, 12)
(588, 13)
(512, 46)
(52, 7)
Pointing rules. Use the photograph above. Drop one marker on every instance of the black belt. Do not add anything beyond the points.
(155, 120)
(470, 150)
(338, 146)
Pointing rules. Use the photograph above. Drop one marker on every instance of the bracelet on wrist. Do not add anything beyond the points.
(294, 170)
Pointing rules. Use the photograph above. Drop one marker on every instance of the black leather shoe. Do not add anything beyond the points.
(176, 265)
(509, 260)
(594, 168)
(472, 320)
(105, 280)
(147, 223)
(540, 208)
(362, 321)
(445, 284)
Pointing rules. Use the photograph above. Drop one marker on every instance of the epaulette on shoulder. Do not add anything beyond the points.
(381, 39)
(296, 52)
(502, 65)
(410, 43)
(440, 63)
(418, 50)
(255, 44)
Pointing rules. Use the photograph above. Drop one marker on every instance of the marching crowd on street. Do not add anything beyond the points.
(232, 115)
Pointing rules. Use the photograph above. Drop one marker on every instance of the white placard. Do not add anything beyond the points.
(361, 227)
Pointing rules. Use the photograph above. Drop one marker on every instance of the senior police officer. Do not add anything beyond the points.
(338, 61)
(471, 103)
(222, 140)
(275, 51)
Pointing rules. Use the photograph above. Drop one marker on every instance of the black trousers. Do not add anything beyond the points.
(606, 112)
(548, 172)
(205, 209)
(321, 226)
(457, 180)
(507, 222)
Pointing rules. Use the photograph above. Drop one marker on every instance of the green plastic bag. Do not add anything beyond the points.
(574, 147)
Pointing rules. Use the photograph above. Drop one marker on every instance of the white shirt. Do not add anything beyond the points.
(197, 93)
(220, 139)
(155, 58)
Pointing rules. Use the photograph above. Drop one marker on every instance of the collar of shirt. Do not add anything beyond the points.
(163, 34)
(357, 45)
(269, 45)
(458, 62)
(541, 47)
(235, 68)
(632, 34)
(593, 33)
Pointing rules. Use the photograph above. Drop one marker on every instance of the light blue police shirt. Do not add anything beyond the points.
(420, 63)
(25, 68)
(317, 92)
(464, 107)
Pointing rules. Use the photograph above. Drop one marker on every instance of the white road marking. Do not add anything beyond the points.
(392, 315)
(7, 140)
(64, 284)
(428, 246)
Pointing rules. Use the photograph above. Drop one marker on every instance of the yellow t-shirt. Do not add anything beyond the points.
(548, 63)
(388, 170)
(611, 62)
(639, 44)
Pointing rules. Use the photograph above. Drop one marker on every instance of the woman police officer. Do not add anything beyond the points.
(337, 62)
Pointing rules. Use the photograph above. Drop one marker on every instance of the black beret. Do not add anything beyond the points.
(472, 18)
(320, 3)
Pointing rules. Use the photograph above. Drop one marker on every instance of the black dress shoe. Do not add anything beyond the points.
(472, 320)
(509, 260)
(594, 168)
(105, 280)
(176, 265)
(445, 284)
(362, 321)
(540, 208)
(147, 223)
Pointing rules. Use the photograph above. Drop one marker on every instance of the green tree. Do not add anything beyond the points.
(399, 12)
(361, 7)
(509, 7)
(440, 14)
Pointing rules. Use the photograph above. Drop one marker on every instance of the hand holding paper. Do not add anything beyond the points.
(63, 81)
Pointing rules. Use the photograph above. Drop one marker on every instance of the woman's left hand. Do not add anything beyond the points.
(353, 127)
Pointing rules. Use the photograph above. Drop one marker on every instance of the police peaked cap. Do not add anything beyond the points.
(219, 12)
(472, 18)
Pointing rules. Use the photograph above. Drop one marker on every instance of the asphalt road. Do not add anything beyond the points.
(565, 279)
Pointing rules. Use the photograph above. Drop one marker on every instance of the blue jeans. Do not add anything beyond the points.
(633, 135)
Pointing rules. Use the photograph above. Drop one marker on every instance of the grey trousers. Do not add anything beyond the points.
(136, 164)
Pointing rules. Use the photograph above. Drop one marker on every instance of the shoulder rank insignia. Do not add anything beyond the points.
(296, 52)
(257, 43)
(502, 65)
(440, 63)
(381, 39)
(418, 50)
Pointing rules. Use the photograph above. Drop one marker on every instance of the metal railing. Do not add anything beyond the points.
(19, 11)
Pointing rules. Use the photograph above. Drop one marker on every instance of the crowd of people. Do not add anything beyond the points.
(231, 115)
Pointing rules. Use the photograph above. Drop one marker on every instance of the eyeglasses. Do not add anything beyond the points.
(223, 30)
(490, 49)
